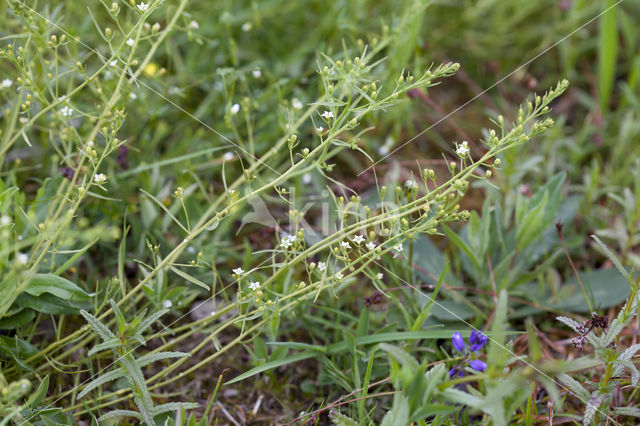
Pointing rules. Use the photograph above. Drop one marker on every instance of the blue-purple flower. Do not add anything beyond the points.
(456, 371)
(458, 341)
(478, 365)
(477, 340)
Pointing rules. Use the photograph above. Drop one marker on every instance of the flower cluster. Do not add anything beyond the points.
(477, 340)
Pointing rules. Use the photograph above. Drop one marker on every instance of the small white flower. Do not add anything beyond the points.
(191, 249)
(89, 144)
(322, 266)
(167, 304)
(254, 285)
(66, 111)
(6, 83)
(371, 245)
(113, 63)
(20, 237)
(142, 7)
(398, 248)
(379, 276)
(327, 114)
(339, 276)
(108, 75)
(194, 25)
(287, 241)
(345, 245)
(235, 108)
(296, 104)
(463, 149)
(228, 156)
(383, 150)
(306, 178)
(100, 178)
(238, 271)
(62, 98)
(247, 26)
(320, 130)
(173, 90)
(131, 42)
(5, 220)
(22, 258)
(410, 184)
(133, 96)
(257, 73)
(358, 239)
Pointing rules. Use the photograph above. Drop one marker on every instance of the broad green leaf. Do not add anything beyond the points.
(56, 285)
(399, 414)
(47, 304)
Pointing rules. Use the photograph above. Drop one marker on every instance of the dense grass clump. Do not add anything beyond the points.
(362, 212)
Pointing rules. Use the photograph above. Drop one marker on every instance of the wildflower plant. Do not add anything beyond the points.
(122, 344)
(616, 362)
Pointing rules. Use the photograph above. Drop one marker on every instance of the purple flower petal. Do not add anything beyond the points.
(477, 340)
(458, 341)
(478, 365)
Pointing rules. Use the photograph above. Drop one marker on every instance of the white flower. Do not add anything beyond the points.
(306, 178)
(371, 245)
(327, 114)
(320, 129)
(228, 156)
(133, 96)
(257, 73)
(194, 25)
(62, 98)
(143, 6)
(167, 304)
(234, 109)
(247, 26)
(463, 149)
(398, 248)
(288, 241)
(345, 245)
(339, 275)
(410, 184)
(322, 266)
(113, 63)
(66, 111)
(191, 249)
(254, 285)
(5, 220)
(379, 276)
(296, 104)
(6, 83)
(131, 42)
(358, 239)
(22, 258)
(100, 178)
(238, 271)
(383, 150)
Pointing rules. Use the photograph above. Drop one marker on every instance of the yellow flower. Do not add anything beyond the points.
(151, 69)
